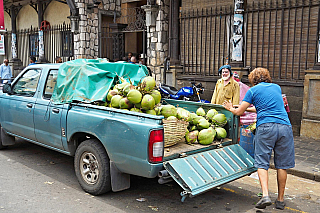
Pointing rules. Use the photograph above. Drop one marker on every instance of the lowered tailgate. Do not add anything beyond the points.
(200, 172)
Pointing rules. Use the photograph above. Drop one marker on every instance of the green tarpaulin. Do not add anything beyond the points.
(89, 80)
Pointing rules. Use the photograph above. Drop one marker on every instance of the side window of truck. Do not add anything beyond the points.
(27, 83)
(50, 84)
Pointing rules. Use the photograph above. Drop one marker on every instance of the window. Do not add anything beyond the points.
(27, 83)
(50, 84)
(67, 43)
(34, 44)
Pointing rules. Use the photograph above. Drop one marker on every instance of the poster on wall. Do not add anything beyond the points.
(237, 37)
(2, 50)
(1, 16)
(238, 6)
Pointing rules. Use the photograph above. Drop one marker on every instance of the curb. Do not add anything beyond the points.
(302, 174)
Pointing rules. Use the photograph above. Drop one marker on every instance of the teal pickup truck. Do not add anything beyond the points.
(110, 144)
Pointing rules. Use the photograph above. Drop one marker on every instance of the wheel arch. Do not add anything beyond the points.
(77, 138)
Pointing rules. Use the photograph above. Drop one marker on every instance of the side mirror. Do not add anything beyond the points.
(6, 88)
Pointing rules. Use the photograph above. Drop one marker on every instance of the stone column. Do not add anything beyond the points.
(157, 36)
(174, 33)
(86, 42)
(310, 123)
(42, 58)
(15, 61)
(174, 28)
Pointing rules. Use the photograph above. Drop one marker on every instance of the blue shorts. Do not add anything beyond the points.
(276, 137)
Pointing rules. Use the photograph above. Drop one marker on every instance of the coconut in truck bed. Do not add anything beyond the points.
(183, 148)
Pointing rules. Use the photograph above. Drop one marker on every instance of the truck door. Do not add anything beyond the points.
(200, 172)
(17, 108)
(47, 116)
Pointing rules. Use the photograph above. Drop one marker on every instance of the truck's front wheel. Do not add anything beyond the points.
(92, 167)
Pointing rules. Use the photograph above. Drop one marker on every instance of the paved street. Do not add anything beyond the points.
(35, 179)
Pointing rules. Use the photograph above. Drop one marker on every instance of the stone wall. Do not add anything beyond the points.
(86, 42)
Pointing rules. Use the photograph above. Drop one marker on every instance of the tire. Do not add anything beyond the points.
(1, 145)
(92, 167)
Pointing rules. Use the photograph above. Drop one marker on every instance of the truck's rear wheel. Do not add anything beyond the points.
(92, 167)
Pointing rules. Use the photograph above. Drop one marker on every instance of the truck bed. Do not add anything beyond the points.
(183, 147)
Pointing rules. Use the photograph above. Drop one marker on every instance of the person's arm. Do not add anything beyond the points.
(236, 111)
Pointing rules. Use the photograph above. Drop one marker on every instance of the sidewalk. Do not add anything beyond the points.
(307, 157)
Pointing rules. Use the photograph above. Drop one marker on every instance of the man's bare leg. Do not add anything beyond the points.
(282, 179)
(263, 177)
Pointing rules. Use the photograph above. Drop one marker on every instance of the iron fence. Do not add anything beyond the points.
(58, 41)
(279, 35)
(205, 40)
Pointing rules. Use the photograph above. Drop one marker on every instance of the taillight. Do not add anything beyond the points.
(156, 146)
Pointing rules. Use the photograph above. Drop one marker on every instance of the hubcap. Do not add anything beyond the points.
(89, 168)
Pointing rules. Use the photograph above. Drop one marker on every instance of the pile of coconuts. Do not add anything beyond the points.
(142, 98)
(204, 127)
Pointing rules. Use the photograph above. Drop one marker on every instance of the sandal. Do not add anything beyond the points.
(263, 202)
(280, 204)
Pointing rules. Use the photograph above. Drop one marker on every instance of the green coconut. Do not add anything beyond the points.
(193, 128)
(183, 114)
(115, 101)
(203, 124)
(221, 133)
(214, 132)
(172, 118)
(168, 110)
(205, 136)
(156, 95)
(200, 111)
(195, 121)
(147, 102)
(127, 89)
(121, 86)
(125, 103)
(192, 116)
(151, 112)
(135, 110)
(158, 109)
(148, 83)
(211, 113)
(134, 96)
(111, 93)
(191, 137)
(219, 120)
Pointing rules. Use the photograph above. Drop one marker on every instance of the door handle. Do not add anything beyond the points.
(55, 110)
(29, 105)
